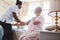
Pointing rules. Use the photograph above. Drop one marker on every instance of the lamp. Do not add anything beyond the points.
(55, 12)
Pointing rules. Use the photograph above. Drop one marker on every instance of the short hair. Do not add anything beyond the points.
(18, 2)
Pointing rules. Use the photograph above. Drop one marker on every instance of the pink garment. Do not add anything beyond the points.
(30, 36)
(33, 32)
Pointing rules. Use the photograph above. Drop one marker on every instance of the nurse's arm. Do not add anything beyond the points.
(15, 17)
(18, 24)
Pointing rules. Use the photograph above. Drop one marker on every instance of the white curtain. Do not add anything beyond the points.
(23, 11)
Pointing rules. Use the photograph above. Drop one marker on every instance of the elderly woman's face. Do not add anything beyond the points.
(37, 11)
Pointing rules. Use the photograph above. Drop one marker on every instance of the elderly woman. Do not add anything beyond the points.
(34, 27)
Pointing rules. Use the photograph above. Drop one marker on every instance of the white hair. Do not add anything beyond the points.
(39, 8)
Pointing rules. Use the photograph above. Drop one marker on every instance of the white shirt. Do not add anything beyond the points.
(8, 15)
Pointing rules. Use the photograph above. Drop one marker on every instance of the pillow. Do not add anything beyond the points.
(50, 28)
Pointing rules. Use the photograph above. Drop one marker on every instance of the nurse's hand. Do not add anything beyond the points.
(23, 23)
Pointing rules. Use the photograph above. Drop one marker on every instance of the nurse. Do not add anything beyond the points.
(7, 19)
(34, 27)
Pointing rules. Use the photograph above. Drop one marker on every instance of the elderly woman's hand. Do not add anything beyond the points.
(36, 22)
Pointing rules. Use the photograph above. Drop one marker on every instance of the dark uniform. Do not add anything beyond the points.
(8, 35)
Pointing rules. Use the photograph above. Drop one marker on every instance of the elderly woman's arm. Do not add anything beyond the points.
(36, 22)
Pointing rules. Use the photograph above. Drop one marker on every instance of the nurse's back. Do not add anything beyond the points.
(8, 15)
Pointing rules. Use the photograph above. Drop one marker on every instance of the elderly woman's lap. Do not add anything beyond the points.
(30, 36)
